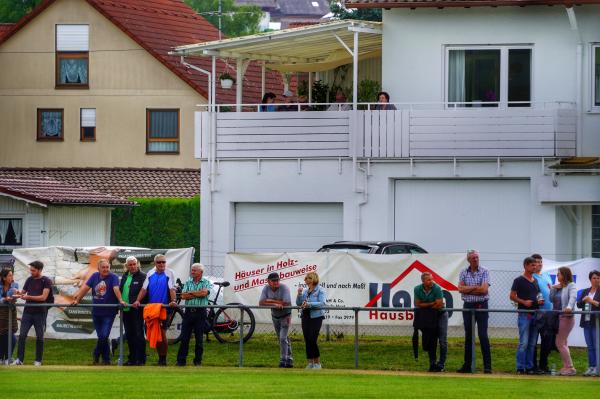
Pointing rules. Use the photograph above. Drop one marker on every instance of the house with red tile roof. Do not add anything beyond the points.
(89, 96)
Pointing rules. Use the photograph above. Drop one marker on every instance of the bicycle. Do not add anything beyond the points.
(224, 322)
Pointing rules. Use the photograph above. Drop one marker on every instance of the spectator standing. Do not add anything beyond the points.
(9, 292)
(429, 302)
(160, 288)
(133, 322)
(590, 301)
(105, 291)
(312, 299)
(195, 292)
(544, 325)
(474, 282)
(36, 290)
(278, 295)
(526, 293)
(563, 296)
(340, 104)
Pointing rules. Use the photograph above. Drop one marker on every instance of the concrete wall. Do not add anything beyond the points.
(124, 81)
(414, 43)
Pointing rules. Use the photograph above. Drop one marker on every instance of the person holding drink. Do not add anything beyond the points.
(525, 291)
(312, 299)
(563, 296)
(590, 301)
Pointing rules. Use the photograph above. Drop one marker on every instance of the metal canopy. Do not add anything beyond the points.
(308, 49)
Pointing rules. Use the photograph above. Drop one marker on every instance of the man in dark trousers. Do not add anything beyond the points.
(429, 302)
(133, 321)
(195, 292)
(473, 284)
(36, 290)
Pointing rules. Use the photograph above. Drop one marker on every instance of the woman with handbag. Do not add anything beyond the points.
(563, 296)
(590, 301)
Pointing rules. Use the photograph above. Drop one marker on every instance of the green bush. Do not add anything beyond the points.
(158, 223)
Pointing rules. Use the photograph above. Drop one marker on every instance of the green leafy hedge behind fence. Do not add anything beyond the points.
(158, 223)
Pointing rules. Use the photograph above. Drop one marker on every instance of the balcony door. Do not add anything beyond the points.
(488, 76)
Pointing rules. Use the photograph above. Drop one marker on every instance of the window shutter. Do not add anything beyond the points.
(88, 117)
(72, 37)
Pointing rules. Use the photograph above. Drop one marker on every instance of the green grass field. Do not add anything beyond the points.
(375, 353)
(216, 382)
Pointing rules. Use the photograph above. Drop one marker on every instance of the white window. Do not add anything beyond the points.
(596, 76)
(11, 232)
(488, 76)
(72, 56)
(88, 124)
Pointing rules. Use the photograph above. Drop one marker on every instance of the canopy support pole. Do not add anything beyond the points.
(355, 72)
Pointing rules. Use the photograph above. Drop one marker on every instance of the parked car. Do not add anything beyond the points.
(374, 247)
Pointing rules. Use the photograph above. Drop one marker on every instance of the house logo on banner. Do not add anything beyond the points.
(350, 280)
(401, 298)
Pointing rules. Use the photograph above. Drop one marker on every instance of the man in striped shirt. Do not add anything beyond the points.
(195, 292)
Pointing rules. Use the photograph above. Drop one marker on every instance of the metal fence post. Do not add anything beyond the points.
(356, 337)
(120, 336)
(10, 333)
(597, 344)
(241, 361)
(473, 340)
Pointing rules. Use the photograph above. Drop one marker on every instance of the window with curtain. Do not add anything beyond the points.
(72, 56)
(162, 131)
(11, 232)
(475, 77)
(596, 55)
(50, 124)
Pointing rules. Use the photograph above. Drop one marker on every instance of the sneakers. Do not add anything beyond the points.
(568, 372)
(37, 364)
(464, 370)
(17, 362)
(316, 366)
(310, 366)
(590, 372)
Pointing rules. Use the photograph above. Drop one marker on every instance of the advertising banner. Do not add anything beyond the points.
(69, 268)
(350, 280)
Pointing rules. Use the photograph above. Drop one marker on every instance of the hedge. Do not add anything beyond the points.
(158, 223)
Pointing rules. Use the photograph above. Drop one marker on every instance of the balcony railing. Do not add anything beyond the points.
(425, 130)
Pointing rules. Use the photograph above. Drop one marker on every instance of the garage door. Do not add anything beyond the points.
(280, 227)
(492, 216)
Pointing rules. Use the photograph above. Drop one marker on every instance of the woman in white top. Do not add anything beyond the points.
(563, 297)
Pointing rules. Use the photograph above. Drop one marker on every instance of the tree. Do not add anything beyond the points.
(235, 20)
(14, 10)
(364, 14)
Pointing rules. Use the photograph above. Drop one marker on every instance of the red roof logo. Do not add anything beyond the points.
(416, 265)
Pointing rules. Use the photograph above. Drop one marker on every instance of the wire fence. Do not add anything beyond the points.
(236, 324)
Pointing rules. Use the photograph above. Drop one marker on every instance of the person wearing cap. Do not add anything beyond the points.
(278, 296)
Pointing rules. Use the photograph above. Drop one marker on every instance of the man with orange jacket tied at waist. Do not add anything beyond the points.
(160, 287)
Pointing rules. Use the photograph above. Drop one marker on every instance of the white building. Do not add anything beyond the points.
(490, 100)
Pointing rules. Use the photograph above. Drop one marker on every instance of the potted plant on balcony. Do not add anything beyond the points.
(226, 80)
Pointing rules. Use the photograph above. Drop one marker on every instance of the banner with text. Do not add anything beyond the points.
(69, 268)
(350, 280)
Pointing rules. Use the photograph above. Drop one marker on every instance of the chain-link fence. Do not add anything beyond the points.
(236, 328)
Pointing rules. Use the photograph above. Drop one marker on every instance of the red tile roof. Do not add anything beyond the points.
(459, 3)
(120, 182)
(160, 25)
(53, 192)
(5, 28)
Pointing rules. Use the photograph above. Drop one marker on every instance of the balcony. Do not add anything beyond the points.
(412, 131)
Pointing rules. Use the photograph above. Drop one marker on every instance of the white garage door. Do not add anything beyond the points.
(281, 227)
(492, 216)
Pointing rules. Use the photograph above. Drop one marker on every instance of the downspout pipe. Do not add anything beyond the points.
(579, 77)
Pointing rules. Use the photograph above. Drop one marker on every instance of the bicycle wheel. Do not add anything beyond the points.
(227, 324)
(173, 321)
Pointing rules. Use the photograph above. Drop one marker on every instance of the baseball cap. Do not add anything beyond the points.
(273, 276)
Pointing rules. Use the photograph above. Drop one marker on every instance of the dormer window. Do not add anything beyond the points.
(72, 56)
